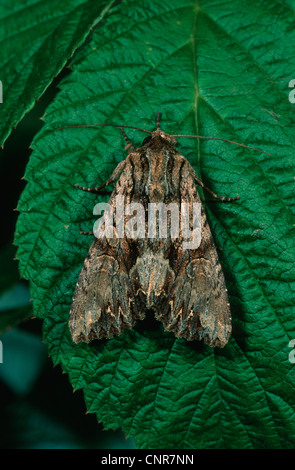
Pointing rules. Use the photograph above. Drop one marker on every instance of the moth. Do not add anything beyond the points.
(123, 278)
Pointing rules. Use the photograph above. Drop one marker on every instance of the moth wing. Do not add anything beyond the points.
(103, 304)
(197, 305)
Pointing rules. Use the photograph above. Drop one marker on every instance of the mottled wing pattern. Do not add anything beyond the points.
(197, 306)
(122, 277)
(104, 302)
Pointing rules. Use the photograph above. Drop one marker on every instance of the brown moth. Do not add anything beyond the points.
(122, 278)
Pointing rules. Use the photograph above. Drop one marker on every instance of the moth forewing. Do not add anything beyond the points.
(124, 276)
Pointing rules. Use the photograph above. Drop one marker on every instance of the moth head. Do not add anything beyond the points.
(166, 138)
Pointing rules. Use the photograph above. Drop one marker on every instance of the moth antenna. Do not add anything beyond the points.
(224, 140)
(112, 125)
(129, 144)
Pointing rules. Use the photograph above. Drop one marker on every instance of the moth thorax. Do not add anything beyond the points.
(164, 137)
(157, 186)
(156, 193)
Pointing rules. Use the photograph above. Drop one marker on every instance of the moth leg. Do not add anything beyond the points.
(220, 198)
(115, 175)
(86, 233)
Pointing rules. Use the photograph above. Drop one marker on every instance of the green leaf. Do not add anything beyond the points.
(37, 38)
(212, 69)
